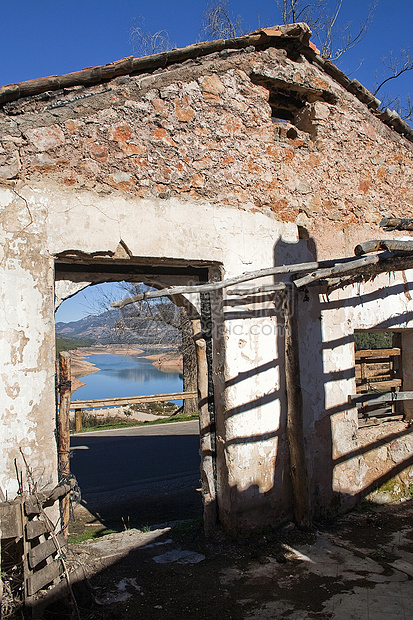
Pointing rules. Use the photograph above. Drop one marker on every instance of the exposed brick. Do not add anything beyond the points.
(211, 84)
(184, 114)
(120, 132)
(197, 180)
(46, 138)
(98, 152)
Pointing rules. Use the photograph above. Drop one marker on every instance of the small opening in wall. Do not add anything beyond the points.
(379, 375)
(284, 106)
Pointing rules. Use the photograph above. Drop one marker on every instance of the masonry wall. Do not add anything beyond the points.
(194, 163)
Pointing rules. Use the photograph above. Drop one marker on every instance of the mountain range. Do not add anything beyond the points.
(109, 328)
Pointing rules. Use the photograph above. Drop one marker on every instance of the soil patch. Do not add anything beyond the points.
(358, 566)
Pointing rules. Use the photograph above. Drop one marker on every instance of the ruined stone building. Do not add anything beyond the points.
(195, 165)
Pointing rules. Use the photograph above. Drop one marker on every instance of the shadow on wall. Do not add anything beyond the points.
(251, 507)
(246, 508)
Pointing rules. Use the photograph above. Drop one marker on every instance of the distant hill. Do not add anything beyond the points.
(104, 329)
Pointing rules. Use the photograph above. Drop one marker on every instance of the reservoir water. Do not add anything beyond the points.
(121, 375)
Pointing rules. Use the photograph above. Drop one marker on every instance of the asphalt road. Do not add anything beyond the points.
(146, 474)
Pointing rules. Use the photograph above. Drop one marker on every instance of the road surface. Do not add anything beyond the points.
(144, 474)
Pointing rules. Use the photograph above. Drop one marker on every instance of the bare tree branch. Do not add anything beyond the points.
(219, 23)
(333, 40)
(145, 42)
(397, 66)
(294, 11)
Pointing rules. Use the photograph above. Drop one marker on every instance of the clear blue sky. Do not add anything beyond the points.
(48, 37)
(92, 300)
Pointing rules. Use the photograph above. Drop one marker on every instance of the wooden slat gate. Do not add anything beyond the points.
(378, 371)
(44, 573)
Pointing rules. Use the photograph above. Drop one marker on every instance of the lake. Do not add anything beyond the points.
(129, 375)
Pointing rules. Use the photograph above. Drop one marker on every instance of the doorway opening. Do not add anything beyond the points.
(147, 474)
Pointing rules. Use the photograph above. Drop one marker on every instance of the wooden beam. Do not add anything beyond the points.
(396, 223)
(216, 286)
(207, 449)
(295, 430)
(373, 398)
(63, 432)
(263, 288)
(390, 245)
(381, 353)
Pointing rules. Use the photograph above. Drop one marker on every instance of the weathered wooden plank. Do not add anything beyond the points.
(59, 590)
(389, 245)
(41, 578)
(380, 353)
(130, 400)
(35, 528)
(295, 429)
(396, 223)
(263, 288)
(374, 373)
(372, 398)
(10, 520)
(44, 550)
(32, 506)
(383, 386)
(207, 450)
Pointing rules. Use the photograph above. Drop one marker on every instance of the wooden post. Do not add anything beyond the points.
(295, 431)
(78, 420)
(206, 437)
(63, 433)
(190, 405)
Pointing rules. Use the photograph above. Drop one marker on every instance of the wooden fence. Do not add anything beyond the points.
(36, 548)
(123, 401)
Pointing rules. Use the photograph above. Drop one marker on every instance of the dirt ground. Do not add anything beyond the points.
(359, 566)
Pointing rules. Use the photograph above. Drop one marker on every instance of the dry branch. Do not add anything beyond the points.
(216, 286)
(336, 270)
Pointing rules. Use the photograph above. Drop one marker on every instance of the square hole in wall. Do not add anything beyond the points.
(379, 376)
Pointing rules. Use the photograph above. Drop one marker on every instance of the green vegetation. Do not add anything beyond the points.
(89, 534)
(373, 340)
(111, 423)
(66, 344)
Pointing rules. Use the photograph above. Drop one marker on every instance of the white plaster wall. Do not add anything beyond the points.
(27, 411)
(40, 221)
(238, 240)
(333, 438)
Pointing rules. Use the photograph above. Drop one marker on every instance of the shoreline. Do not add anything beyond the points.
(170, 361)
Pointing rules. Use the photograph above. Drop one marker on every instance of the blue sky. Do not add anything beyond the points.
(48, 37)
(92, 300)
